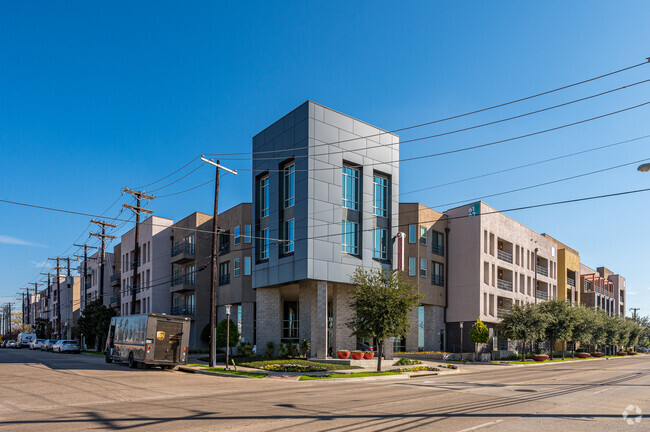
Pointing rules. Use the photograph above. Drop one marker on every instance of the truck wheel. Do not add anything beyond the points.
(108, 357)
(132, 362)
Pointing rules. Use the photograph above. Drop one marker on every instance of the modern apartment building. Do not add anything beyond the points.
(568, 270)
(64, 309)
(115, 290)
(596, 291)
(92, 285)
(148, 289)
(425, 262)
(325, 201)
(493, 262)
(618, 286)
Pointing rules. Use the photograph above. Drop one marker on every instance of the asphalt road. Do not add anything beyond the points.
(46, 391)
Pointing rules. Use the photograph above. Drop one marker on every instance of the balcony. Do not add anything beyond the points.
(115, 278)
(183, 283)
(502, 312)
(571, 282)
(504, 284)
(541, 294)
(504, 256)
(115, 299)
(224, 249)
(182, 310)
(88, 285)
(542, 270)
(224, 279)
(182, 253)
(128, 290)
(438, 249)
(133, 264)
(438, 279)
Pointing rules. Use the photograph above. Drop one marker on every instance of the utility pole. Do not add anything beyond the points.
(58, 289)
(137, 209)
(23, 317)
(634, 311)
(85, 257)
(103, 236)
(48, 301)
(213, 270)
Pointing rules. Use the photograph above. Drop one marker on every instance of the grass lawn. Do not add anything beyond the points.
(556, 360)
(233, 372)
(350, 375)
(329, 366)
(92, 352)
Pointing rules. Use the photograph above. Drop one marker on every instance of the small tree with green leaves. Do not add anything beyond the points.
(559, 322)
(582, 326)
(523, 323)
(479, 334)
(613, 331)
(42, 328)
(221, 334)
(94, 322)
(381, 306)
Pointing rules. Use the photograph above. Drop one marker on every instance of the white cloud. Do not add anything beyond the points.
(40, 264)
(16, 241)
(631, 293)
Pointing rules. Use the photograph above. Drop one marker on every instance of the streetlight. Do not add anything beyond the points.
(461, 340)
(644, 168)
(227, 335)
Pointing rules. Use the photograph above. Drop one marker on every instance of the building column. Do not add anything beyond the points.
(319, 322)
(247, 317)
(306, 297)
(343, 338)
(269, 317)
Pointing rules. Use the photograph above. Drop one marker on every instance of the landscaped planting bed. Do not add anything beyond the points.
(292, 367)
(259, 364)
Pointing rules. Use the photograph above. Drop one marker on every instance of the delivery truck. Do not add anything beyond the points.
(148, 340)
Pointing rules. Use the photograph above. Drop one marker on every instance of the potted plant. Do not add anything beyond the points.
(357, 355)
(621, 353)
(583, 355)
(539, 357)
(343, 354)
(598, 354)
(368, 355)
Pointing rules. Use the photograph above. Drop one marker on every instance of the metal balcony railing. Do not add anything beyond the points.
(115, 276)
(129, 289)
(502, 312)
(504, 284)
(115, 298)
(133, 264)
(542, 270)
(182, 310)
(187, 279)
(438, 279)
(438, 249)
(224, 279)
(224, 249)
(504, 256)
(187, 248)
(571, 282)
(541, 294)
(88, 285)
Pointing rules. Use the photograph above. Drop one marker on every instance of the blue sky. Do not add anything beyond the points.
(97, 97)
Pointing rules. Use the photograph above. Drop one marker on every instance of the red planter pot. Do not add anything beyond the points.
(631, 353)
(343, 354)
(598, 354)
(357, 355)
(583, 355)
(539, 357)
(368, 355)
(621, 353)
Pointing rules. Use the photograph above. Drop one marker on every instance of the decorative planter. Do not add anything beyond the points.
(357, 355)
(583, 355)
(631, 353)
(368, 355)
(343, 354)
(539, 358)
(598, 354)
(621, 353)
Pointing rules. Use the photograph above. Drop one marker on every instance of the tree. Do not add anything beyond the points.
(613, 330)
(381, 306)
(94, 322)
(42, 328)
(582, 325)
(598, 334)
(479, 334)
(559, 322)
(221, 334)
(523, 323)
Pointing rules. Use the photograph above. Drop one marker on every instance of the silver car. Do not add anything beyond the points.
(37, 344)
(66, 346)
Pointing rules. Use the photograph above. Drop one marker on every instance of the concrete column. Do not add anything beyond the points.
(269, 317)
(319, 323)
(247, 318)
(412, 336)
(343, 339)
(305, 301)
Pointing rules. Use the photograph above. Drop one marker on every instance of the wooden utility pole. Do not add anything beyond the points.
(85, 258)
(634, 311)
(213, 269)
(103, 236)
(58, 289)
(137, 209)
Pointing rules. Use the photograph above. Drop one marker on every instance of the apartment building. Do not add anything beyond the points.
(568, 270)
(618, 287)
(115, 290)
(146, 290)
(92, 285)
(425, 261)
(64, 309)
(493, 263)
(596, 291)
(325, 201)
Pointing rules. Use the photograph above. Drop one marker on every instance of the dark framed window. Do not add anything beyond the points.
(350, 237)
(289, 185)
(379, 196)
(350, 188)
(438, 243)
(379, 243)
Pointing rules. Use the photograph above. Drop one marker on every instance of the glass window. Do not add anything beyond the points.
(237, 235)
(423, 234)
(412, 231)
(421, 328)
(264, 196)
(247, 266)
(289, 185)
(437, 274)
(437, 243)
(379, 196)
(379, 243)
(247, 233)
(236, 267)
(264, 244)
(350, 188)
(423, 267)
(350, 237)
(411, 266)
(287, 244)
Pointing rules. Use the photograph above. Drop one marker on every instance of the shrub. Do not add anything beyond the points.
(416, 369)
(406, 361)
(245, 350)
(284, 350)
(269, 349)
(305, 347)
(291, 367)
(292, 349)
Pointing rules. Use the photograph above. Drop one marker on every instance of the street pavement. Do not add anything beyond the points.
(63, 392)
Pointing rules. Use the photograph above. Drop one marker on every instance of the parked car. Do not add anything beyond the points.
(25, 339)
(47, 345)
(66, 346)
(36, 344)
(3, 343)
(11, 344)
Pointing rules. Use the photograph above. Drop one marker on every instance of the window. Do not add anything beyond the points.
(264, 244)
(287, 244)
(350, 188)
(236, 267)
(350, 237)
(264, 196)
(423, 234)
(411, 266)
(247, 233)
(437, 243)
(412, 233)
(379, 196)
(421, 328)
(247, 266)
(289, 185)
(423, 267)
(237, 235)
(437, 274)
(224, 273)
(379, 243)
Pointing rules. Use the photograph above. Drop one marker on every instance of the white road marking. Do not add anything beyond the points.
(480, 426)
(600, 391)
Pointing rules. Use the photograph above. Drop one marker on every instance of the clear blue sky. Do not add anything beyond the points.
(97, 97)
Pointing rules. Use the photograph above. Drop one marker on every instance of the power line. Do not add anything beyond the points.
(168, 175)
(178, 179)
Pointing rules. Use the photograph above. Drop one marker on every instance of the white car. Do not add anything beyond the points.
(66, 346)
(37, 344)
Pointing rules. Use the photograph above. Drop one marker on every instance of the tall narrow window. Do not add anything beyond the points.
(237, 235)
(236, 268)
(247, 266)
(264, 244)
(350, 188)
(264, 196)
(379, 243)
(423, 267)
(412, 233)
(287, 244)
(350, 237)
(437, 243)
(411, 266)
(247, 233)
(423, 234)
(289, 185)
(437, 274)
(379, 196)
